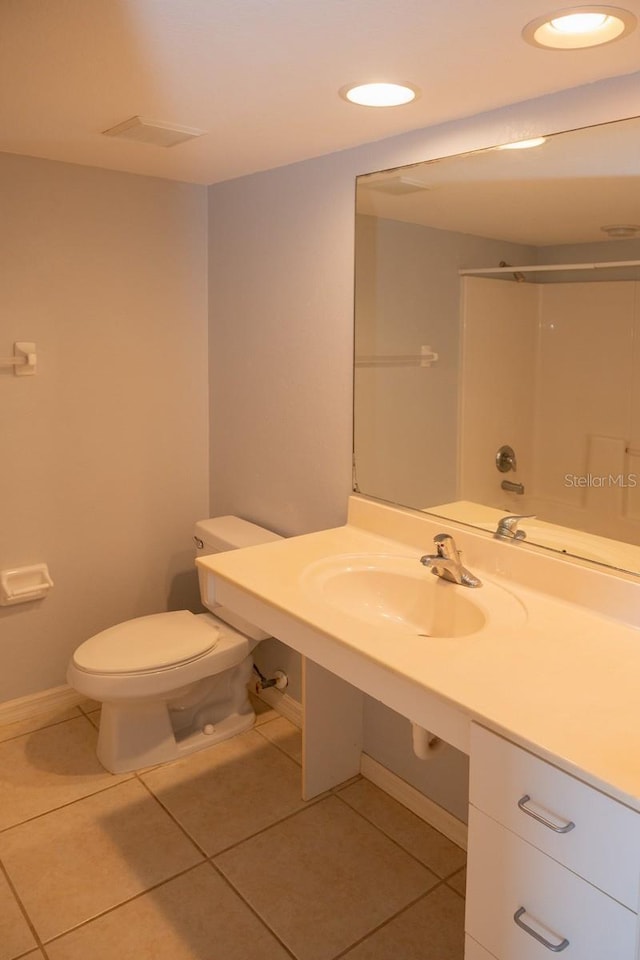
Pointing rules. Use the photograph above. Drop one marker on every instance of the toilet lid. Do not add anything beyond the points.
(148, 643)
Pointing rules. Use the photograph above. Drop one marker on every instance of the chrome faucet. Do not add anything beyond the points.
(508, 527)
(446, 563)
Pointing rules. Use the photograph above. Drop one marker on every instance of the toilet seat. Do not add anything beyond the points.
(91, 672)
(160, 641)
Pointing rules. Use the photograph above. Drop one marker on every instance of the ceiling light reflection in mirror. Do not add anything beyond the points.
(492, 310)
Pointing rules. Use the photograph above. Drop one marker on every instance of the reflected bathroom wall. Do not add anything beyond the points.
(407, 298)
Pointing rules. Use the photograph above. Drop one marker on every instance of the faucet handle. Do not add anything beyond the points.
(446, 546)
(508, 526)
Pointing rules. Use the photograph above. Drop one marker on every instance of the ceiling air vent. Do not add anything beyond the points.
(397, 185)
(152, 131)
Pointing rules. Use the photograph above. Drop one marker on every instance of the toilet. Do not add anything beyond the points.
(172, 683)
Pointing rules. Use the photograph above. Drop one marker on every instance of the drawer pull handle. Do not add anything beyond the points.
(554, 947)
(522, 803)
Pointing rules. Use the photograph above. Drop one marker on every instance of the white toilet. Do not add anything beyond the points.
(172, 683)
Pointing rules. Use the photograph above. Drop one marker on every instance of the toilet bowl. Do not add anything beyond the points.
(172, 683)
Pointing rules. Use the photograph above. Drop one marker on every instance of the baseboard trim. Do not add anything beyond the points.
(57, 698)
(283, 704)
(432, 813)
(63, 697)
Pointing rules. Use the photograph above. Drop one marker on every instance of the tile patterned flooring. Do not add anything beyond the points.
(213, 857)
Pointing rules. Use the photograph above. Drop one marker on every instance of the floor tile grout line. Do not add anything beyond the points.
(39, 950)
(5, 873)
(340, 788)
(440, 881)
(398, 844)
(357, 778)
(461, 895)
(42, 945)
(207, 859)
(395, 916)
(28, 733)
(86, 717)
(274, 744)
(306, 804)
(173, 818)
(86, 712)
(336, 791)
(62, 806)
(289, 816)
(250, 907)
(123, 903)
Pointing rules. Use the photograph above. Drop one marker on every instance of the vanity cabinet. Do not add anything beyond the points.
(554, 865)
(553, 860)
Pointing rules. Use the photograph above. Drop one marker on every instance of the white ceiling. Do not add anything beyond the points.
(261, 76)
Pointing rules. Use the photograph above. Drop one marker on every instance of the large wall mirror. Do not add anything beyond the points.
(497, 336)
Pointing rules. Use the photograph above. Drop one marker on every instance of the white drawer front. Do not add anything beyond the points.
(603, 846)
(473, 950)
(507, 875)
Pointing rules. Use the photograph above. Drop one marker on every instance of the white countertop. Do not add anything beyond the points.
(565, 683)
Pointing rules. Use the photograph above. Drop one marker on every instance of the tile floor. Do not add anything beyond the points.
(213, 857)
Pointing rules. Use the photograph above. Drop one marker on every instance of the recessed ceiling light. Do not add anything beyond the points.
(579, 22)
(578, 27)
(523, 144)
(397, 185)
(380, 94)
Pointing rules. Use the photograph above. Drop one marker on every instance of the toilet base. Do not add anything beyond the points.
(142, 733)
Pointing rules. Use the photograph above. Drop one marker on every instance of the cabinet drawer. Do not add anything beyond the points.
(506, 875)
(473, 950)
(603, 845)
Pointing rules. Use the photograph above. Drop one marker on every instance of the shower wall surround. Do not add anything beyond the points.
(553, 367)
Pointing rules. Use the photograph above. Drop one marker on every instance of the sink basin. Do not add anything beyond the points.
(398, 593)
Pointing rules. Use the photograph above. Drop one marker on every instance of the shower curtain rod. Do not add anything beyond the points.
(549, 267)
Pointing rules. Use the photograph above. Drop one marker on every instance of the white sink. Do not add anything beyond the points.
(400, 594)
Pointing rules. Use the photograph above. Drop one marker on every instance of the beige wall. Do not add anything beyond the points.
(104, 452)
(281, 316)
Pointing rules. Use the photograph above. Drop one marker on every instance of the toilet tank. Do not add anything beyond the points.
(229, 533)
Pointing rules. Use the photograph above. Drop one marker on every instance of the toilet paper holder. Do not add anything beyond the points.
(24, 584)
